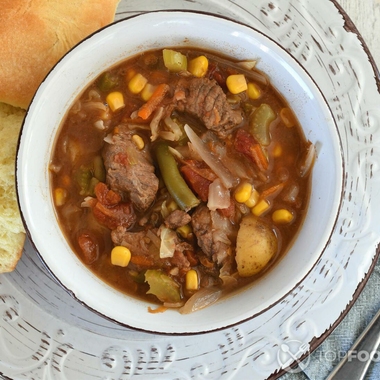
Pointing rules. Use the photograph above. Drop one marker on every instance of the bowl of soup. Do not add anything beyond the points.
(179, 172)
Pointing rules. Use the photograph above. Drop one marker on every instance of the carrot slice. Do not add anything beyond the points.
(157, 97)
(159, 309)
(142, 261)
(259, 157)
(272, 191)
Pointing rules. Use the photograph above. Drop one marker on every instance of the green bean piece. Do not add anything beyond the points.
(99, 169)
(173, 180)
(260, 122)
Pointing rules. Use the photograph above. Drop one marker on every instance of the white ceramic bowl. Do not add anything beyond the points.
(124, 39)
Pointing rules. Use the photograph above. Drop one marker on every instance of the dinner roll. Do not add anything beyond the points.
(36, 34)
(12, 234)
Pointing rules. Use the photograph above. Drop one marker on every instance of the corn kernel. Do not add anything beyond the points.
(243, 192)
(138, 141)
(60, 196)
(277, 151)
(236, 83)
(137, 83)
(282, 216)
(260, 207)
(253, 91)
(120, 256)
(198, 66)
(253, 198)
(147, 91)
(171, 206)
(192, 280)
(185, 231)
(115, 100)
(288, 117)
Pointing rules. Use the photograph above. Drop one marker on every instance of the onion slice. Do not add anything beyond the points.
(212, 161)
(308, 161)
(201, 299)
(218, 196)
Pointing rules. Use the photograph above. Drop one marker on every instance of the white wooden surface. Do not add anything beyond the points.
(365, 14)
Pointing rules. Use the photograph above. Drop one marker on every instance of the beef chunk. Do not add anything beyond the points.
(202, 228)
(145, 252)
(205, 99)
(130, 170)
(214, 233)
(176, 219)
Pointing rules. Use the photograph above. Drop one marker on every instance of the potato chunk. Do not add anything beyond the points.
(256, 244)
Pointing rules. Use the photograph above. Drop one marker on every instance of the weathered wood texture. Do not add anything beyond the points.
(366, 17)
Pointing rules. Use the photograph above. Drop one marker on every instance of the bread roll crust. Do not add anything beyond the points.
(12, 233)
(35, 34)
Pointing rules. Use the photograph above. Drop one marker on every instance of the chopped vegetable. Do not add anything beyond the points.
(60, 196)
(142, 261)
(201, 299)
(253, 90)
(115, 100)
(256, 244)
(272, 192)
(260, 122)
(120, 256)
(174, 60)
(138, 141)
(246, 144)
(218, 196)
(137, 83)
(198, 183)
(198, 66)
(83, 177)
(259, 157)
(253, 198)
(175, 132)
(307, 161)
(277, 151)
(236, 83)
(168, 242)
(243, 192)
(212, 161)
(185, 231)
(288, 117)
(107, 81)
(149, 107)
(147, 91)
(99, 169)
(192, 282)
(162, 286)
(261, 207)
(174, 182)
(282, 216)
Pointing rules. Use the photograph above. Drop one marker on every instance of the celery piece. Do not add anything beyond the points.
(260, 122)
(174, 60)
(162, 286)
(83, 177)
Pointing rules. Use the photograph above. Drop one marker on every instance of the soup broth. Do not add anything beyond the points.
(180, 173)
